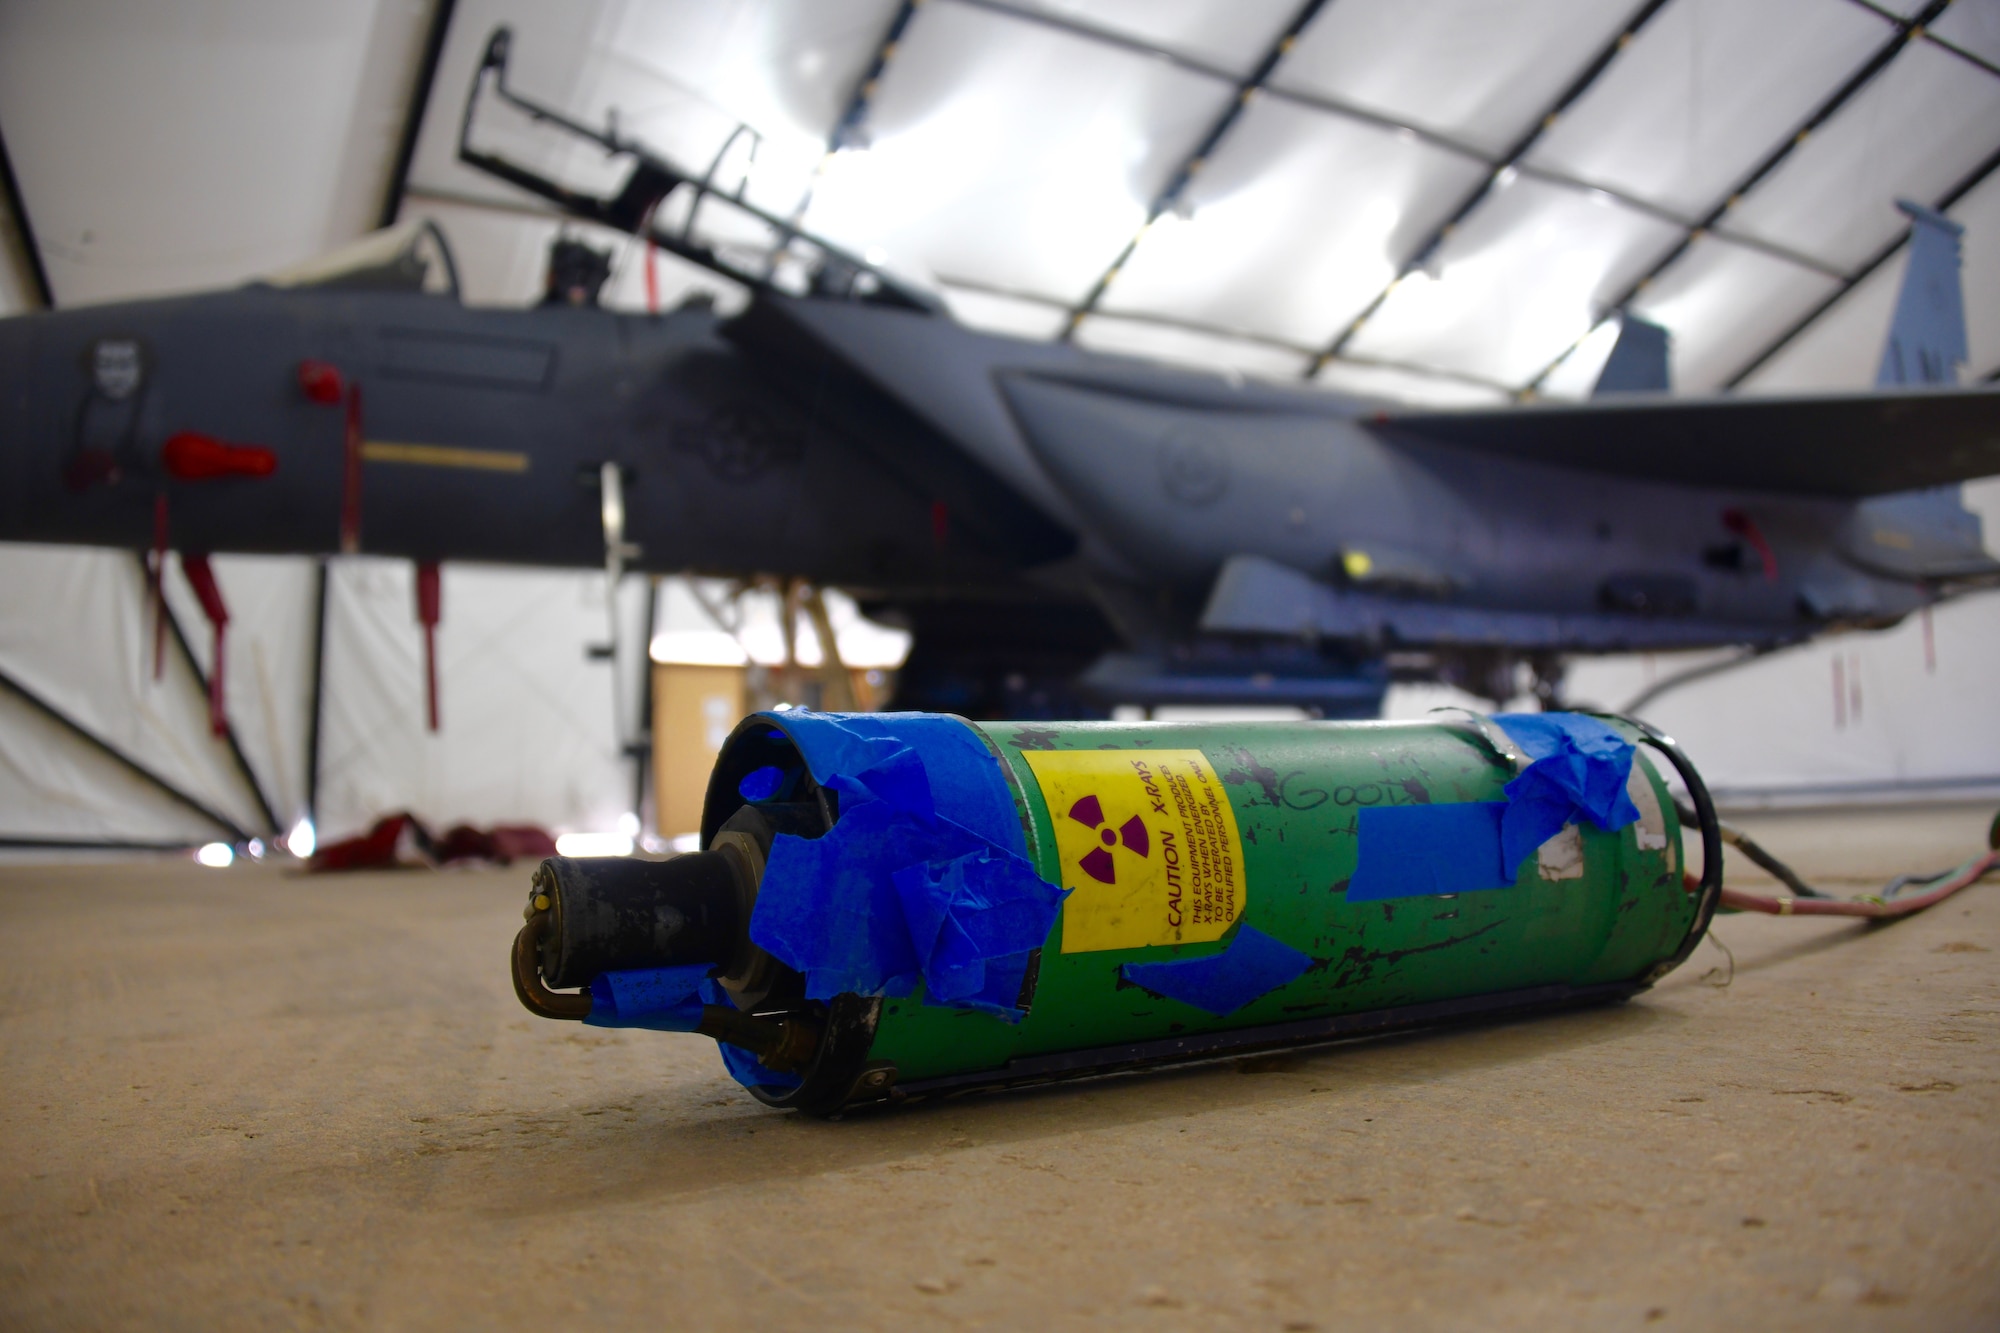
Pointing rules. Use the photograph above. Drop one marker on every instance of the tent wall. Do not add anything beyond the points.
(1858, 716)
(526, 719)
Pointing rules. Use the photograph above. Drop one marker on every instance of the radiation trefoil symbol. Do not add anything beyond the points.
(1098, 863)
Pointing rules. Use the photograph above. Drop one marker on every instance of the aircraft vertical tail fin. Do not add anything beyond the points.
(1927, 335)
(1638, 360)
(1928, 533)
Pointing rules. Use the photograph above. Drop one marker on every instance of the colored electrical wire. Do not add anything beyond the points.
(1805, 900)
(1883, 906)
(1778, 870)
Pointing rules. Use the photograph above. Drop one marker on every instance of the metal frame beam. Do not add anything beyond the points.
(31, 249)
(1192, 162)
(321, 590)
(118, 756)
(1942, 43)
(413, 118)
(1421, 255)
(1969, 182)
(91, 845)
(1907, 31)
(854, 117)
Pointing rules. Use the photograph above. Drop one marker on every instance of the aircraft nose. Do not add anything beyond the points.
(70, 405)
(17, 343)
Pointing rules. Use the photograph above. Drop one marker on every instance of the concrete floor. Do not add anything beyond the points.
(241, 1100)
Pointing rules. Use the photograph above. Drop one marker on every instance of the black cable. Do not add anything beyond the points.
(1777, 869)
(1711, 842)
(1790, 878)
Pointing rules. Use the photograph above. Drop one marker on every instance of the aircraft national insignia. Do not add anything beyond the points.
(117, 367)
(739, 443)
(1149, 846)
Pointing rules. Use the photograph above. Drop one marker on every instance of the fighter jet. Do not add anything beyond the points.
(1060, 529)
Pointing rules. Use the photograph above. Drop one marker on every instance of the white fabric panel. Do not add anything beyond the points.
(74, 628)
(1405, 386)
(1973, 25)
(785, 66)
(1723, 304)
(1190, 347)
(1479, 71)
(1040, 320)
(1300, 219)
(1842, 348)
(1524, 277)
(1016, 156)
(53, 786)
(526, 719)
(175, 147)
(1233, 36)
(267, 666)
(1774, 723)
(1913, 132)
(1706, 90)
(1979, 212)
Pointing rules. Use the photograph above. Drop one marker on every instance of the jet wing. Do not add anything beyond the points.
(1844, 446)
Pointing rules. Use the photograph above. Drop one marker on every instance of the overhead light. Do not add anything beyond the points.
(301, 841)
(216, 855)
(1505, 176)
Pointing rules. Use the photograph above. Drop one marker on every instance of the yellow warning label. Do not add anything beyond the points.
(1149, 846)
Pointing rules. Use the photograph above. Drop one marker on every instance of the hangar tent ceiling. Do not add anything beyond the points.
(1442, 199)
(1449, 201)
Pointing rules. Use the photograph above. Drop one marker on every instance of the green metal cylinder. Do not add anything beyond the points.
(1169, 837)
(1291, 794)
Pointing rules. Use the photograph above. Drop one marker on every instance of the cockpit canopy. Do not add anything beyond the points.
(408, 257)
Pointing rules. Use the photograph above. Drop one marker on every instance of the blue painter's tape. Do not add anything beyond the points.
(910, 760)
(968, 918)
(924, 878)
(1411, 851)
(1253, 965)
(744, 1066)
(664, 999)
(1580, 769)
(760, 784)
